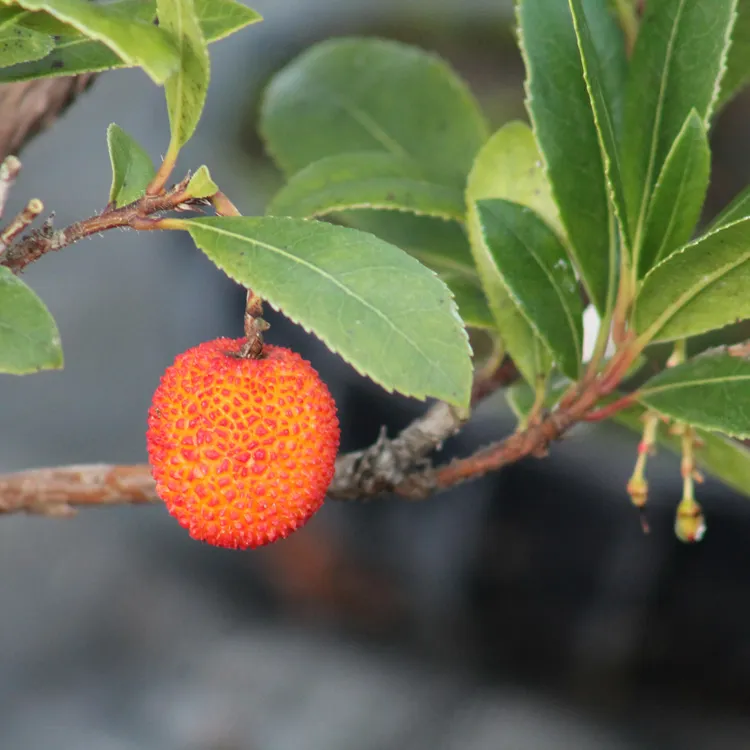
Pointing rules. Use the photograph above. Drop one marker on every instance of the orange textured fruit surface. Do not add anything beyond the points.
(242, 450)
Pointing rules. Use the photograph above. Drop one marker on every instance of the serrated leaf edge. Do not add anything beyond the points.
(452, 307)
(576, 337)
(652, 331)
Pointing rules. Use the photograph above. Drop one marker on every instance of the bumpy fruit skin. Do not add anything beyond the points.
(242, 450)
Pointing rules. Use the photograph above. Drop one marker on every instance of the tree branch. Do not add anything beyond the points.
(55, 492)
(360, 474)
(386, 466)
(135, 215)
(397, 465)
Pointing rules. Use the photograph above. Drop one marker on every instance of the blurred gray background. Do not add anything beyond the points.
(523, 611)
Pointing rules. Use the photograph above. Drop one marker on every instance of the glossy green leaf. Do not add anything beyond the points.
(133, 41)
(18, 44)
(738, 208)
(737, 74)
(538, 275)
(366, 179)
(349, 95)
(186, 89)
(132, 168)
(431, 239)
(29, 339)
(605, 101)
(441, 246)
(370, 302)
(437, 243)
(560, 108)
(712, 392)
(201, 185)
(75, 53)
(721, 456)
(221, 18)
(676, 67)
(509, 166)
(678, 194)
(698, 288)
(472, 304)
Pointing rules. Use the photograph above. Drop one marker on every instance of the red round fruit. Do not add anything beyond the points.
(242, 450)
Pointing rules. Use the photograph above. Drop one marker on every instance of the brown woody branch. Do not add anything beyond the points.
(137, 215)
(386, 466)
(388, 463)
(378, 469)
(382, 468)
(57, 492)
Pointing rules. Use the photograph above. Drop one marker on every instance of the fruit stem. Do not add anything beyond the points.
(254, 323)
(254, 327)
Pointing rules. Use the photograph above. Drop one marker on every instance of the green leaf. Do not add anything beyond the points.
(738, 208)
(366, 179)
(219, 19)
(712, 392)
(721, 456)
(509, 166)
(737, 74)
(678, 194)
(472, 304)
(565, 128)
(17, 44)
(186, 89)
(201, 185)
(538, 275)
(698, 288)
(75, 53)
(676, 67)
(349, 95)
(371, 303)
(133, 41)
(605, 79)
(439, 244)
(29, 339)
(132, 168)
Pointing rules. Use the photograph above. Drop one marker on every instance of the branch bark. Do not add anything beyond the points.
(136, 215)
(399, 465)
(386, 466)
(382, 467)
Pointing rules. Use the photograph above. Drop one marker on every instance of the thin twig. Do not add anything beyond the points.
(598, 415)
(223, 206)
(387, 464)
(136, 215)
(20, 222)
(9, 171)
(532, 441)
